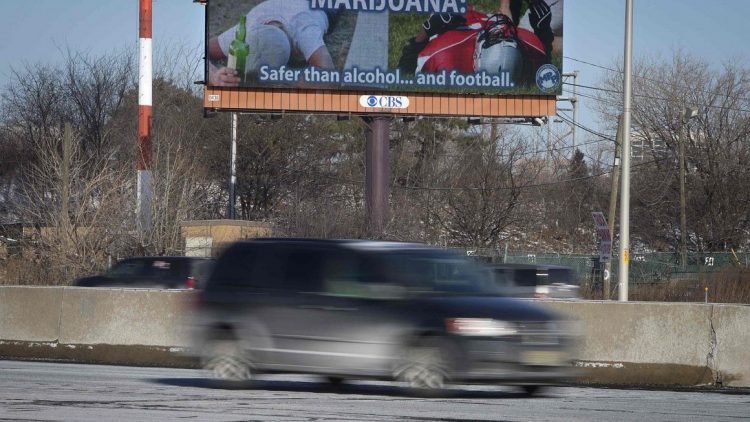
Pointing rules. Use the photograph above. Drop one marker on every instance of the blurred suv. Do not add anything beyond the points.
(366, 309)
(165, 272)
(539, 281)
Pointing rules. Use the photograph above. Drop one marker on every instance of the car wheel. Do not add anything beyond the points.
(226, 363)
(422, 367)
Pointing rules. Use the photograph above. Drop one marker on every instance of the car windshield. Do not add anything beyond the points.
(436, 272)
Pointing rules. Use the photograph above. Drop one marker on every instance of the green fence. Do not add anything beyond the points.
(644, 268)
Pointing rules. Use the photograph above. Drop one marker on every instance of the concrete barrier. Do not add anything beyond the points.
(730, 328)
(624, 343)
(30, 313)
(644, 343)
(125, 317)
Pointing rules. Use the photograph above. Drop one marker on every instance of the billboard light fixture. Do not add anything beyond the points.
(538, 121)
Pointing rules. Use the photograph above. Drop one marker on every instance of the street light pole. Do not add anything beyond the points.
(232, 214)
(625, 187)
(689, 114)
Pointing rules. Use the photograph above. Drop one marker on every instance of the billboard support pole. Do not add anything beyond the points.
(377, 172)
(144, 192)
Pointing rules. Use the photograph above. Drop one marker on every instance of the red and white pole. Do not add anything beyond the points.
(143, 160)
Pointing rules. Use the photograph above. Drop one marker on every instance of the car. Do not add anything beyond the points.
(165, 272)
(372, 309)
(539, 281)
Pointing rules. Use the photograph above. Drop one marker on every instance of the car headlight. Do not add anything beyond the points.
(480, 327)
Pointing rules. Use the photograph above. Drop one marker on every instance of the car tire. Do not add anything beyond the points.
(227, 365)
(422, 367)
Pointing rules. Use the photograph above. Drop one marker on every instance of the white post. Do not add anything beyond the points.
(625, 187)
(233, 170)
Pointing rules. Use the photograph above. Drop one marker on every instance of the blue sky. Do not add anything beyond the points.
(35, 30)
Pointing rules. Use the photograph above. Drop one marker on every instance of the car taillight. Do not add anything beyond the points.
(190, 283)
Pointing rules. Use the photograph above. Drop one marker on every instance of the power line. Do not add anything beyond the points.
(592, 64)
(558, 182)
(535, 152)
(692, 88)
(601, 100)
(578, 125)
(651, 97)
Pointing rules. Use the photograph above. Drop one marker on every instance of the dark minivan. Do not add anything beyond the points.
(371, 309)
(164, 272)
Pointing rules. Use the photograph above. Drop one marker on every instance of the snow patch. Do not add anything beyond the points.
(616, 365)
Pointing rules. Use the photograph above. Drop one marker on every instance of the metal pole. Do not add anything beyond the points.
(574, 102)
(684, 136)
(683, 201)
(377, 172)
(625, 199)
(143, 161)
(233, 170)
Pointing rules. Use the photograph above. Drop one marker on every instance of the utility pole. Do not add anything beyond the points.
(232, 214)
(689, 114)
(625, 202)
(574, 103)
(143, 161)
(613, 206)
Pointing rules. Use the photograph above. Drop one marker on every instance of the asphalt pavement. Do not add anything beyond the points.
(38, 391)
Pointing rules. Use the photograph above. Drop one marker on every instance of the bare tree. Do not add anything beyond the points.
(716, 144)
(485, 186)
(78, 206)
(75, 202)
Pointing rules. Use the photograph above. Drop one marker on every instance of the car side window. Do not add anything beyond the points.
(341, 275)
(502, 278)
(563, 276)
(126, 269)
(234, 268)
(302, 270)
(349, 274)
(525, 278)
(162, 268)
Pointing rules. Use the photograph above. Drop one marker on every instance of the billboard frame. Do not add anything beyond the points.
(348, 101)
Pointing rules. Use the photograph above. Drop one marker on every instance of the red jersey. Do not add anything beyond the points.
(454, 50)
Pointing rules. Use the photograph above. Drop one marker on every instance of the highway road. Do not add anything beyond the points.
(72, 392)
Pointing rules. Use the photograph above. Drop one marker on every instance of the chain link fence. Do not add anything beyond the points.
(645, 268)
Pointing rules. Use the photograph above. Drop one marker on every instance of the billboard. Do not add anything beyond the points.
(386, 48)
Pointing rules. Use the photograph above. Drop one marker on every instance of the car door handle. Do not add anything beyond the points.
(328, 308)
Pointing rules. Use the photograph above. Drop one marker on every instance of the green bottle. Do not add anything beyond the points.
(239, 50)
